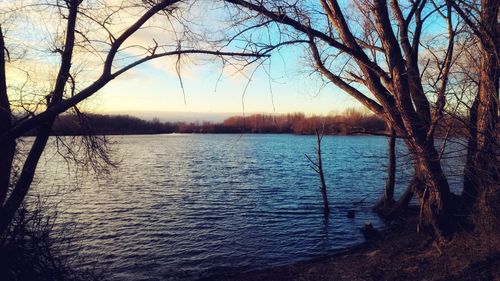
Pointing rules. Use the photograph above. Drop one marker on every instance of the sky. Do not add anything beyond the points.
(282, 84)
(288, 88)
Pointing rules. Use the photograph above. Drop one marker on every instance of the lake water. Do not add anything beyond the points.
(182, 207)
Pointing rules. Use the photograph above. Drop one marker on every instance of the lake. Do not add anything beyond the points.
(182, 207)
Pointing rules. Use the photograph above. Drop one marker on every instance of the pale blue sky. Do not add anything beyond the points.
(151, 88)
(154, 86)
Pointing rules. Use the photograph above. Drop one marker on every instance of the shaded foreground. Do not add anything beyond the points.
(400, 254)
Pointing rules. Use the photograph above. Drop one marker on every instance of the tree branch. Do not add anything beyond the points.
(183, 52)
(115, 46)
(284, 19)
(371, 104)
(5, 111)
(67, 54)
(28, 124)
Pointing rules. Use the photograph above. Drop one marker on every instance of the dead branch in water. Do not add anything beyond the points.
(317, 166)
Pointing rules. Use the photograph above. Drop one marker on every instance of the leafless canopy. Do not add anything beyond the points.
(396, 57)
(56, 54)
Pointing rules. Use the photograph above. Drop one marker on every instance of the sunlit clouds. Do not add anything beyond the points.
(189, 83)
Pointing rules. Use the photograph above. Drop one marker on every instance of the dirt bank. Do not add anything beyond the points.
(400, 254)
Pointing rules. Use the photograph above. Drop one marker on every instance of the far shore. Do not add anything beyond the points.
(222, 133)
(349, 124)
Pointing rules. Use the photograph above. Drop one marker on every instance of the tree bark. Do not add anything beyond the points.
(434, 198)
(481, 176)
(8, 211)
(486, 166)
(434, 193)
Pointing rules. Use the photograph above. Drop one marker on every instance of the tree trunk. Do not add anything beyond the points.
(481, 176)
(387, 200)
(469, 193)
(8, 211)
(7, 152)
(321, 175)
(485, 159)
(317, 166)
(481, 168)
(403, 201)
(8, 148)
(434, 192)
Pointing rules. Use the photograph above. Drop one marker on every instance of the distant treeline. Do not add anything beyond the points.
(299, 123)
(294, 123)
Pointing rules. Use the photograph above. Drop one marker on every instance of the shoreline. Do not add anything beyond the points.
(376, 134)
(399, 254)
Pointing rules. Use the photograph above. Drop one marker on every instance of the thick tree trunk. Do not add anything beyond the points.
(434, 197)
(7, 152)
(481, 176)
(481, 169)
(485, 166)
(8, 148)
(8, 211)
(434, 192)
(487, 211)
(485, 160)
(487, 111)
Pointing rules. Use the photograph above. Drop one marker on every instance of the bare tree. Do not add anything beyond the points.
(388, 67)
(386, 70)
(89, 29)
(482, 175)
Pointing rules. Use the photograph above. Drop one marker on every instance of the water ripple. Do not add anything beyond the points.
(184, 207)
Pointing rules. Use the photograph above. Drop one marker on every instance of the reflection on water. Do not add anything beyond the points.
(187, 206)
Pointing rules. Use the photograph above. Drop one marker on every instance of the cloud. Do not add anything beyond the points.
(33, 34)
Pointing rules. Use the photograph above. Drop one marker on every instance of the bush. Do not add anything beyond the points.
(32, 250)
